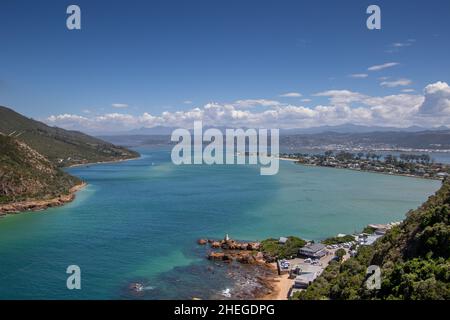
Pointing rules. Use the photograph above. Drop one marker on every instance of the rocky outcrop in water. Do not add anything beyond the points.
(246, 265)
(230, 244)
(232, 250)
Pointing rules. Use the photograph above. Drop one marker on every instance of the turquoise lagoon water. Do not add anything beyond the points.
(139, 221)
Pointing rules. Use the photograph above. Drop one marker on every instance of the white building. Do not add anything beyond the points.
(303, 281)
(313, 250)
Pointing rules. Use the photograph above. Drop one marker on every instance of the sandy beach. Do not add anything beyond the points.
(281, 286)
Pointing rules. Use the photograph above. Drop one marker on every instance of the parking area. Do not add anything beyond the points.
(287, 265)
(300, 272)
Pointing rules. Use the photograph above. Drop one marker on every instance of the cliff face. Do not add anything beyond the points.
(26, 175)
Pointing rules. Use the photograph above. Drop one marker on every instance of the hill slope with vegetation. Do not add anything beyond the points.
(61, 147)
(26, 175)
(414, 258)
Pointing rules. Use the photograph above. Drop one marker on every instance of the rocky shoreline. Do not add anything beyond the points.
(255, 276)
(39, 205)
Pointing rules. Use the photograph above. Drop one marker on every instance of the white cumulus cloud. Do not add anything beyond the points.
(437, 99)
(248, 103)
(431, 108)
(341, 97)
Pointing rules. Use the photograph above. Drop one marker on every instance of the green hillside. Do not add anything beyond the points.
(414, 258)
(27, 175)
(61, 147)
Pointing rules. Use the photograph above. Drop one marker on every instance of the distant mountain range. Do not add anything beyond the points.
(158, 130)
(353, 128)
(344, 128)
(430, 139)
(345, 136)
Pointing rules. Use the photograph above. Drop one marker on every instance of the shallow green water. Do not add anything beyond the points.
(139, 220)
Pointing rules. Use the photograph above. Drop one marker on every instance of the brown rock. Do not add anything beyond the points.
(246, 258)
(219, 256)
(259, 256)
(243, 246)
(253, 246)
(215, 244)
(229, 245)
(202, 242)
(216, 256)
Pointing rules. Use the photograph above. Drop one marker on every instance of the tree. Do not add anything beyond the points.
(389, 158)
(340, 253)
(344, 156)
(272, 247)
(413, 256)
(328, 153)
(425, 158)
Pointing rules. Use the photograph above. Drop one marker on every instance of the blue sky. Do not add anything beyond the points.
(146, 63)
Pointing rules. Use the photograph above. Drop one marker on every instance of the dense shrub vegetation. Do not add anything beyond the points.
(414, 260)
(27, 175)
(272, 247)
(61, 147)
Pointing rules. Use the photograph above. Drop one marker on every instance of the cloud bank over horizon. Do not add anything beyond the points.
(429, 109)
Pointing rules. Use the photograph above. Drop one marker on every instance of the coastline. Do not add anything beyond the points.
(281, 286)
(101, 162)
(287, 159)
(39, 205)
(43, 204)
(354, 170)
(265, 284)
